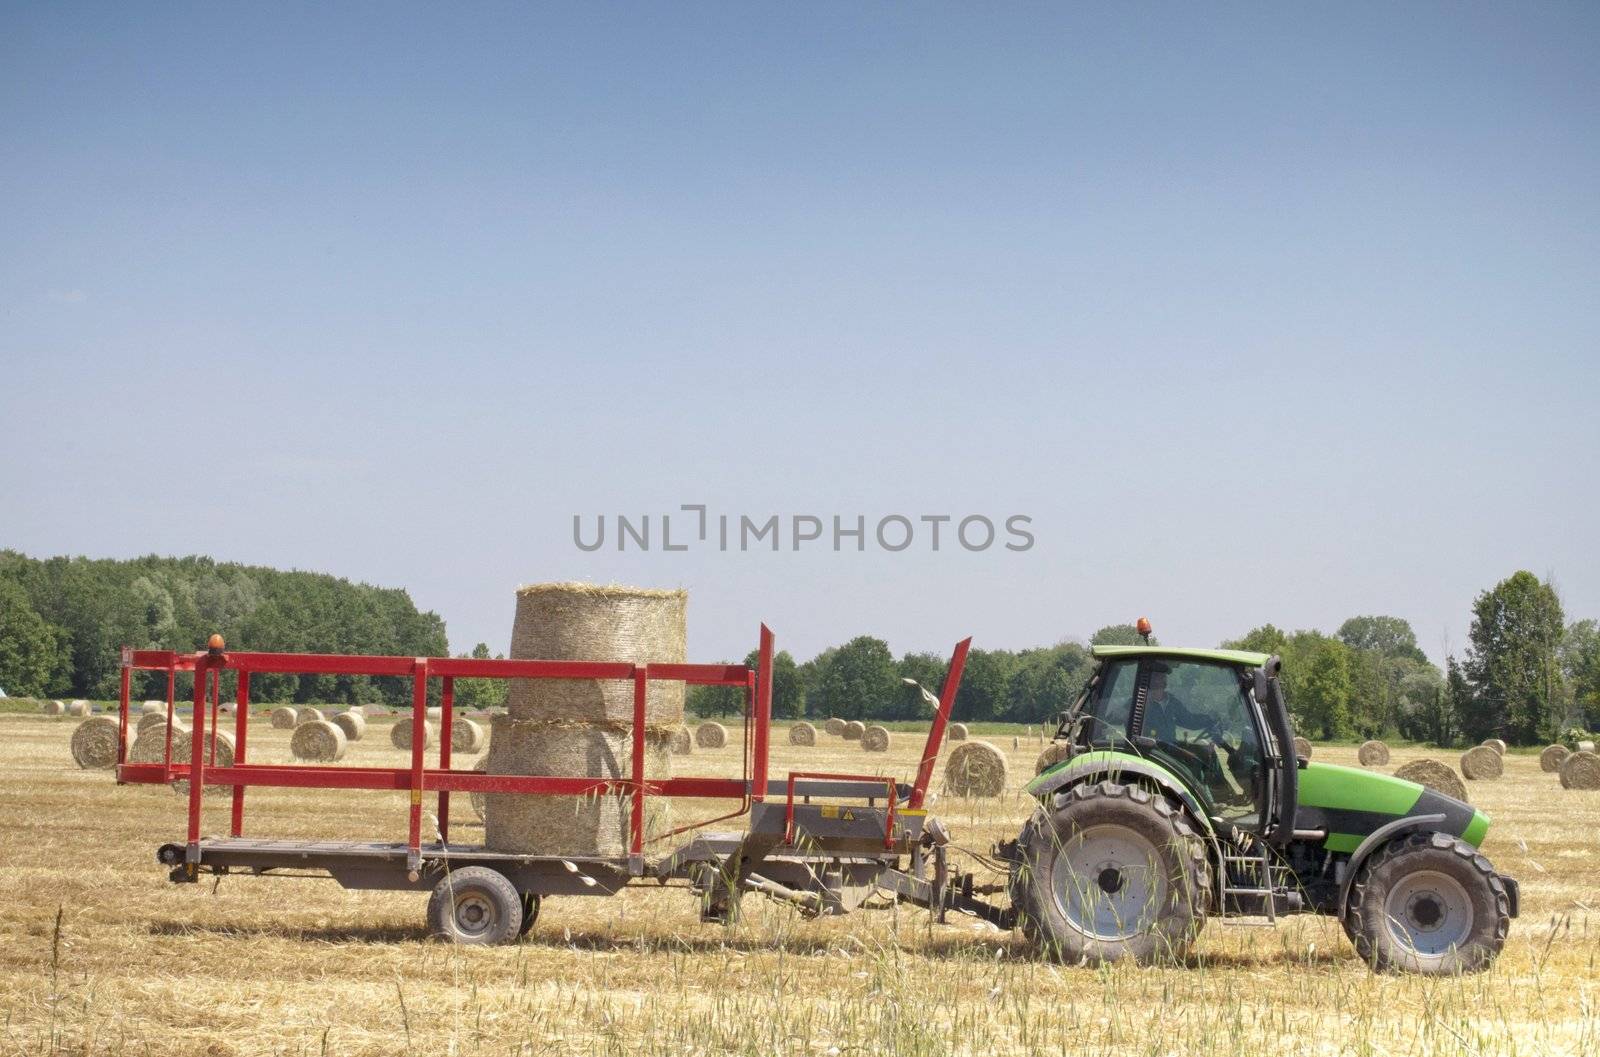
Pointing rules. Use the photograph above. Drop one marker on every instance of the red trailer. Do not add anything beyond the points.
(819, 856)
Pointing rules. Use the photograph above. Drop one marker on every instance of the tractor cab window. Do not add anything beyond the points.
(1202, 723)
(1108, 713)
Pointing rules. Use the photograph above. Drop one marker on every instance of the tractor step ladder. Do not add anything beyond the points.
(1261, 866)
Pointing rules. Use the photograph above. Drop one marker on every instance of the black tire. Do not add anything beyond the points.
(475, 905)
(530, 911)
(1113, 872)
(1428, 903)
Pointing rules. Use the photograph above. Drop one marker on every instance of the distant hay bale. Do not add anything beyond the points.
(358, 710)
(1581, 770)
(400, 734)
(1585, 746)
(1550, 759)
(1053, 754)
(228, 708)
(52, 708)
(957, 732)
(318, 741)
(590, 622)
(875, 739)
(352, 723)
(1497, 745)
(307, 714)
(80, 708)
(854, 729)
(1481, 764)
(153, 706)
(436, 715)
(183, 751)
(975, 768)
(1373, 754)
(467, 736)
(1436, 776)
(94, 743)
(1302, 747)
(711, 735)
(284, 717)
(834, 726)
(802, 733)
(567, 825)
(682, 741)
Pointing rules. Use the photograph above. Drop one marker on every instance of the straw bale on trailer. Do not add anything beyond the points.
(565, 825)
(466, 736)
(802, 733)
(1550, 759)
(1581, 770)
(400, 733)
(834, 726)
(975, 768)
(682, 741)
(589, 622)
(711, 735)
(1482, 763)
(80, 708)
(1302, 747)
(1497, 745)
(957, 732)
(318, 741)
(854, 729)
(283, 717)
(875, 739)
(94, 743)
(1373, 754)
(52, 708)
(353, 723)
(1434, 775)
(307, 714)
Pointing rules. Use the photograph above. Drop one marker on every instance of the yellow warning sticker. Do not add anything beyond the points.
(416, 796)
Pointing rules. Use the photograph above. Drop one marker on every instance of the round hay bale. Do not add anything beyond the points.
(875, 739)
(80, 708)
(1585, 746)
(220, 756)
(682, 743)
(1581, 770)
(94, 743)
(359, 710)
(711, 735)
(153, 706)
(1436, 776)
(957, 732)
(802, 733)
(1497, 745)
(151, 744)
(1053, 754)
(975, 768)
(318, 741)
(152, 719)
(306, 714)
(352, 723)
(1373, 754)
(52, 708)
(228, 708)
(467, 736)
(834, 726)
(283, 718)
(854, 729)
(1302, 747)
(1550, 759)
(1482, 764)
(400, 734)
(480, 801)
(436, 715)
(566, 825)
(589, 622)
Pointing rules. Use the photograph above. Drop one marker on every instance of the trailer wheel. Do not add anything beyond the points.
(1428, 903)
(1113, 872)
(530, 911)
(475, 905)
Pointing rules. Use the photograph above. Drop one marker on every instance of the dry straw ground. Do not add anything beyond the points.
(99, 954)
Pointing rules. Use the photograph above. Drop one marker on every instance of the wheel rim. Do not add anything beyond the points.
(1429, 912)
(1107, 881)
(474, 914)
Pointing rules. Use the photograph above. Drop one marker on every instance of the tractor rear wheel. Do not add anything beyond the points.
(475, 905)
(1113, 872)
(1428, 903)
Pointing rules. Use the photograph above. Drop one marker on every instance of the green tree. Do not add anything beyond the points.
(1513, 664)
(1120, 635)
(1580, 664)
(858, 681)
(31, 661)
(1390, 636)
(478, 694)
(1316, 684)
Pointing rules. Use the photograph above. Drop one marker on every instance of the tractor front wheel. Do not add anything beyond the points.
(1428, 903)
(1113, 872)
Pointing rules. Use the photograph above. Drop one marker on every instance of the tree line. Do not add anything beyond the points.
(1526, 675)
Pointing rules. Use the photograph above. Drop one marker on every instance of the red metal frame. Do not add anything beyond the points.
(888, 783)
(418, 778)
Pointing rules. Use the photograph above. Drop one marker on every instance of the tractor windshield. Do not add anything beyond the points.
(1203, 725)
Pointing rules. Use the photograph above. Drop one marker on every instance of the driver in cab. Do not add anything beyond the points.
(1165, 713)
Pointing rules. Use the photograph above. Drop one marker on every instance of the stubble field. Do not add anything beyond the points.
(100, 955)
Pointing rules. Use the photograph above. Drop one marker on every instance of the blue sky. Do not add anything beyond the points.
(1260, 313)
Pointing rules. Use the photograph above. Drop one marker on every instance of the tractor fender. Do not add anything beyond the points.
(1375, 840)
(1094, 770)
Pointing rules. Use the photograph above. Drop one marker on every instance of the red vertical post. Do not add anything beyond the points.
(197, 756)
(122, 713)
(241, 731)
(947, 700)
(641, 689)
(447, 717)
(762, 717)
(419, 716)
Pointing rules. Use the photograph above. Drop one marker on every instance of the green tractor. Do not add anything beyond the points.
(1180, 797)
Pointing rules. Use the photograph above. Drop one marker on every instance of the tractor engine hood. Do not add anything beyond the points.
(1350, 803)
